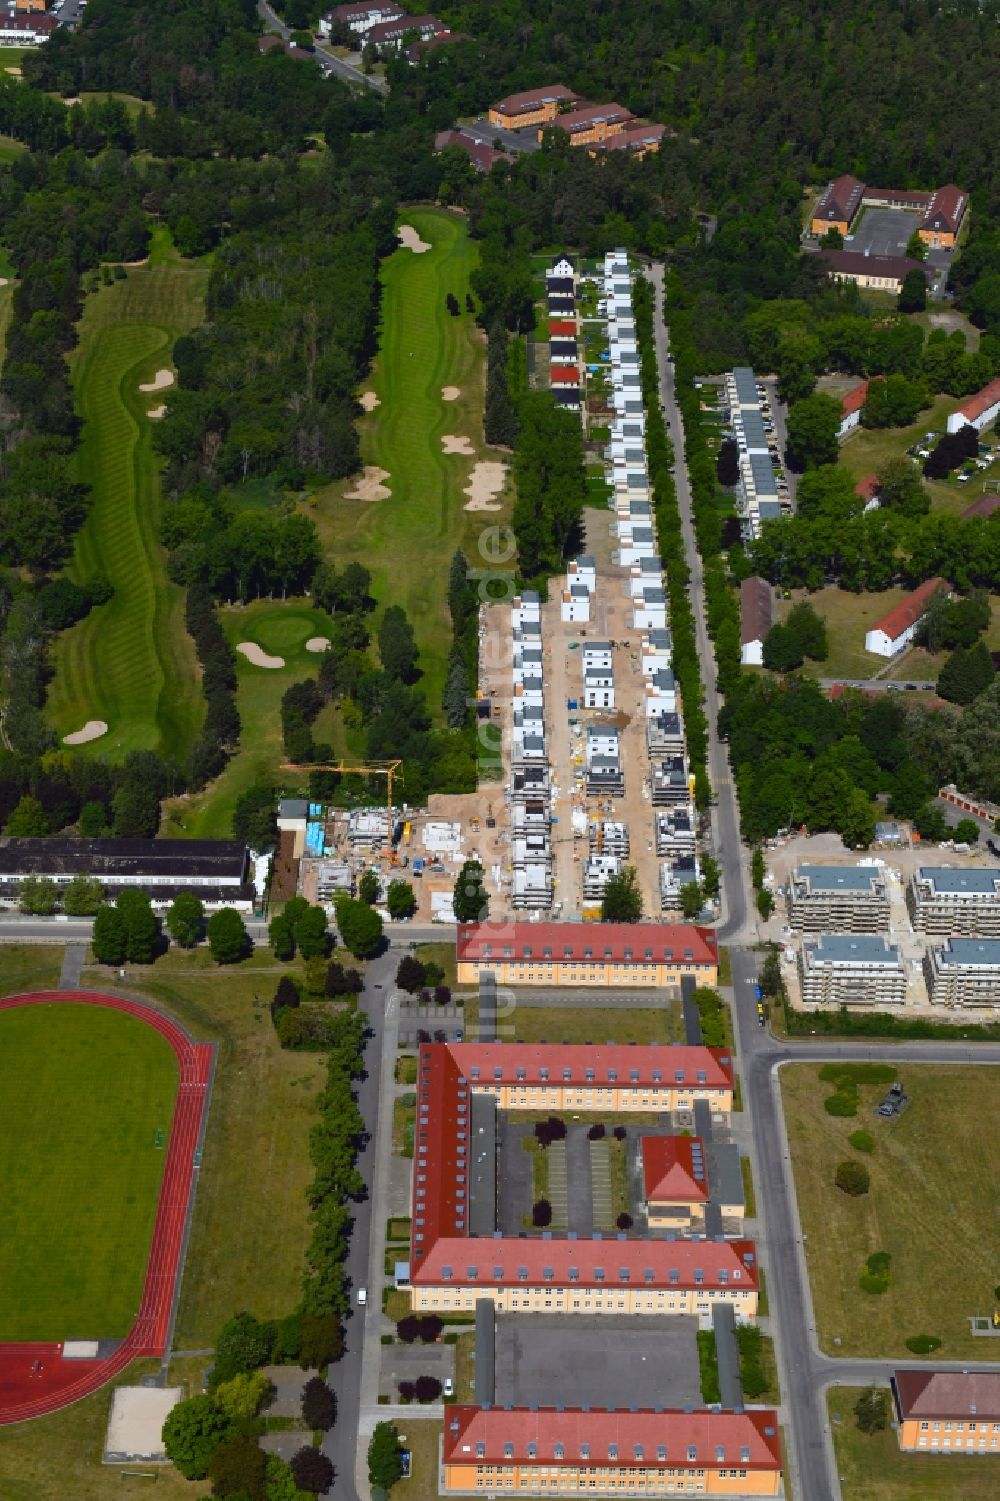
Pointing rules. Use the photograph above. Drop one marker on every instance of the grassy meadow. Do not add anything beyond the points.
(83, 1093)
(873, 1468)
(130, 662)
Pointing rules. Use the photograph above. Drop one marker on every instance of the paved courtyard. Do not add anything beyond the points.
(600, 1362)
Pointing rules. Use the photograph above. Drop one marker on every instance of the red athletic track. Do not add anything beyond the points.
(29, 1393)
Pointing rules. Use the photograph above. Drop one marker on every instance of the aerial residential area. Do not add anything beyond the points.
(499, 751)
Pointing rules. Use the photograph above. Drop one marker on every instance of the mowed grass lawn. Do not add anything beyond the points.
(408, 540)
(933, 1205)
(872, 1468)
(83, 1093)
(29, 966)
(281, 629)
(250, 1224)
(848, 618)
(868, 449)
(592, 1024)
(130, 662)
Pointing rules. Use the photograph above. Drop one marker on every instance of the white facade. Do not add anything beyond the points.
(363, 21)
(574, 605)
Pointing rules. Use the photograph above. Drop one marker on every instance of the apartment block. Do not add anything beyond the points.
(964, 972)
(840, 969)
(955, 900)
(838, 898)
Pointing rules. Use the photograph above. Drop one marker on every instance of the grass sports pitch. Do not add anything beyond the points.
(83, 1093)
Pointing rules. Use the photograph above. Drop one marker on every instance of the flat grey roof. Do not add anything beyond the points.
(838, 877)
(746, 384)
(979, 879)
(961, 952)
(725, 1178)
(483, 1164)
(855, 948)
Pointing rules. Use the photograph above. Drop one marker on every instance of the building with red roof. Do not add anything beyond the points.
(942, 209)
(564, 375)
(637, 140)
(979, 411)
(646, 1451)
(867, 488)
(674, 1180)
(947, 1412)
(457, 1254)
(562, 328)
(483, 157)
(593, 124)
(587, 954)
(898, 626)
(531, 107)
(943, 217)
(838, 205)
(850, 409)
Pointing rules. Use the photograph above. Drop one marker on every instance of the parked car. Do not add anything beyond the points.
(362, 1296)
(448, 1387)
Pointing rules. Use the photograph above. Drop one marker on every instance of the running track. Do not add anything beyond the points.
(27, 1392)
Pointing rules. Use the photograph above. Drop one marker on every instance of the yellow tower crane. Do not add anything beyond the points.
(388, 769)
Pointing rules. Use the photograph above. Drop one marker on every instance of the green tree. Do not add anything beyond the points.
(191, 1434)
(186, 919)
(27, 820)
(142, 926)
(227, 936)
(711, 875)
(916, 248)
(82, 896)
(813, 425)
(243, 1344)
(966, 674)
(238, 1468)
(758, 868)
(691, 900)
(368, 887)
(282, 937)
(322, 1340)
(901, 489)
(93, 820)
(913, 293)
(783, 650)
(397, 645)
(312, 1470)
(470, 901)
(385, 1456)
(360, 927)
(312, 934)
(255, 817)
(765, 903)
(319, 1405)
(871, 1410)
(38, 896)
(108, 938)
(400, 900)
(244, 1394)
(857, 820)
(852, 1178)
(810, 631)
(280, 1482)
(966, 831)
(622, 899)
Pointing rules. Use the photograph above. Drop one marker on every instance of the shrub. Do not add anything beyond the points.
(862, 1141)
(442, 994)
(708, 1367)
(875, 1278)
(620, 1133)
(319, 1405)
(841, 1103)
(923, 1344)
(407, 1390)
(427, 1388)
(852, 1178)
(597, 1133)
(430, 1328)
(752, 1373)
(312, 1471)
(624, 1221)
(541, 1214)
(872, 1410)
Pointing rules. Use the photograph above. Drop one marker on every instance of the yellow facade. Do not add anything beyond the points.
(937, 239)
(555, 1298)
(566, 1480)
(950, 1436)
(820, 227)
(620, 1098)
(625, 974)
(539, 116)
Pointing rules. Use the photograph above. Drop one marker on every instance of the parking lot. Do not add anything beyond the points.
(598, 1362)
(882, 231)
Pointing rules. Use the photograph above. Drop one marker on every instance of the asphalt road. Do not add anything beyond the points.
(324, 61)
(17, 929)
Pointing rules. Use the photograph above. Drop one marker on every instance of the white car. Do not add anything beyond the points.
(448, 1387)
(362, 1296)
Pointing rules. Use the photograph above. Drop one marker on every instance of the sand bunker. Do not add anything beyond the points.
(370, 486)
(485, 483)
(257, 655)
(450, 393)
(92, 730)
(14, 72)
(369, 401)
(451, 443)
(318, 643)
(411, 240)
(156, 412)
(161, 380)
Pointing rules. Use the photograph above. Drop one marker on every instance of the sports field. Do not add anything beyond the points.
(83, 1093)
(408, 539)
(130, 662)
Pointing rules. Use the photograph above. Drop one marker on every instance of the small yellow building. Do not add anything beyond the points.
(533, 107)
(947, 1412)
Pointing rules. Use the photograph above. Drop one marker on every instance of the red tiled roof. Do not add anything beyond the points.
(867, 488)
(841, 200)
(565, 375)
(562, 327)
(756, 609)
(389, 31)
(531, 99)
(635, 138)
(448, 1073)
(30, 22)
(481, 156)
(663, 1439)
(976, 405)
(948, 1394)
(854, 399)
(856, 263)
(269, 42)
(673, 1169)
(914, 197)
(606, 941)
(592, 114)
(509, 1261)
(364, 8)
(984, 506)
(909, 610)
(946, 209)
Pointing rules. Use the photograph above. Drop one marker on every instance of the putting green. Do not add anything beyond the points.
(130, 662)
(286, 631)
(83, 1093)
